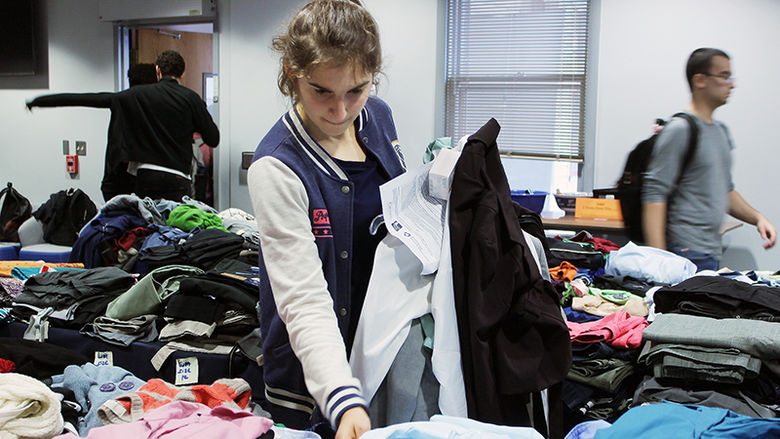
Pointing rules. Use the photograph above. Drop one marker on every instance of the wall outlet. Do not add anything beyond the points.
(81, 147)
(65, 147)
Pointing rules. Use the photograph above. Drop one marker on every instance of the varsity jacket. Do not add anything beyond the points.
(303, 204)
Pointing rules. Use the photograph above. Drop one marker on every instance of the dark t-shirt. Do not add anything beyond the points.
(367, 177)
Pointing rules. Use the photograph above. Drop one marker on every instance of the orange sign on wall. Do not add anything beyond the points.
(600, 208)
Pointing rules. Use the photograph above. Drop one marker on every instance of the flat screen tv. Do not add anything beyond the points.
(17, 38)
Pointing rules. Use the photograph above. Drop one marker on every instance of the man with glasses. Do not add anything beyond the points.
(686, 218)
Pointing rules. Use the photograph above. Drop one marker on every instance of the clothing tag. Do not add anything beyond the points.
(428, 326)
(186, 371)
(38, 329)
(105, 358)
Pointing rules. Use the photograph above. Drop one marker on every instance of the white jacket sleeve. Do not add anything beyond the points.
(299, 286)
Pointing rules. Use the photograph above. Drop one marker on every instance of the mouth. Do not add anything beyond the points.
(334, 123)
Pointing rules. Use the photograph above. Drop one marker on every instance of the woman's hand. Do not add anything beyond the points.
(353, 423)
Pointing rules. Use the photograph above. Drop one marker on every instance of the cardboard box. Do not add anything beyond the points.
(599, 208)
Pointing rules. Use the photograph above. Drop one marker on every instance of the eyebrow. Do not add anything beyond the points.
(313, 84)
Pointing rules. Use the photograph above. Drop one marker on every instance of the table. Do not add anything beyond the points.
(136, 358)
(614, 230)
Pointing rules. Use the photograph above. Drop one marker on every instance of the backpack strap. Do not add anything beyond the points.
(693, 141)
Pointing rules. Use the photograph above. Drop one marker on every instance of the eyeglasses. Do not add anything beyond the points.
(726, 77)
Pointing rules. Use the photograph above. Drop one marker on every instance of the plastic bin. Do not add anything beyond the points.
(530, 200)
(568, 200)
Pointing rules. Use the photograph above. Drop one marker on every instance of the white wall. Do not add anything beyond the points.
(80, 54)
(81, 59)
(642, 50)
(251, 103)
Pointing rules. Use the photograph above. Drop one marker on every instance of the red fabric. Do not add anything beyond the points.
(620, 330)
(156, 393)
(600, 244)
(128, 238)
(604, 245)
(7, 366)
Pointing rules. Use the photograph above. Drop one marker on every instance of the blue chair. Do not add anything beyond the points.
(34, 248)
(9, 251)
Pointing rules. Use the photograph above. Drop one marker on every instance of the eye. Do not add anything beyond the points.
(321, 91)
(356, 91)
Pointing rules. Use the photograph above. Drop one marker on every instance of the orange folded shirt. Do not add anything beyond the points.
(565, 271)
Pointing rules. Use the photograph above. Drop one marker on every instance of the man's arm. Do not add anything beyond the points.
(95, 100)
(205, 125)
(654, 224)
(741, 210)
(660, 180)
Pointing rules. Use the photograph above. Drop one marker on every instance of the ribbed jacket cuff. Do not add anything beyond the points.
(341, 400)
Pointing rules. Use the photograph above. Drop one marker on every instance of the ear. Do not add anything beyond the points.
(699, 81)
(158, 72)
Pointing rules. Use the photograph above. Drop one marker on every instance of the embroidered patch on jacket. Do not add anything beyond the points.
(397, 146)
(320, 223)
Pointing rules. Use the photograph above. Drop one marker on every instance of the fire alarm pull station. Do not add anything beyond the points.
(72, 164)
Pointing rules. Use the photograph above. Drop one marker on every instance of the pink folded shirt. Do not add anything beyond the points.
(620, 330)
(185, 420)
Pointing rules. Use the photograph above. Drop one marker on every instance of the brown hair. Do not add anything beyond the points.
(170, 63)
(336, 32)
(700, 61)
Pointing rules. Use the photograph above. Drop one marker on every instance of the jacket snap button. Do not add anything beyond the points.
(342, 312)
(345, 189)
(365, 140)
(344, 254)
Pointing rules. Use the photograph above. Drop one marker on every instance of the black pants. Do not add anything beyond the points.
(117, 181)
(160, 184)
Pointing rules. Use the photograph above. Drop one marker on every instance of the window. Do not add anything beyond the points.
(523, 63)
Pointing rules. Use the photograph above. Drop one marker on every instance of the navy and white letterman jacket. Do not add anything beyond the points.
(303, 204)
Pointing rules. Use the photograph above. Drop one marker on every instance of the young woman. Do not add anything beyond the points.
(314, 186)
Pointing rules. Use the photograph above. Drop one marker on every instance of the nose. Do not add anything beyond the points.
(339, 108)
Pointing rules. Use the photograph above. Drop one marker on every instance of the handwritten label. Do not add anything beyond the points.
(600, 208)
(186, 371)
(104, 358)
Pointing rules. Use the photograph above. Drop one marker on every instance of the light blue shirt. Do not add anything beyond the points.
(670, 420)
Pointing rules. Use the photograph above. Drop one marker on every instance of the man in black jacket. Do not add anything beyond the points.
(116, 179)
(159, 120)
(154, 124)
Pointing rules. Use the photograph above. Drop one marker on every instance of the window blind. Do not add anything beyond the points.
(522, 62)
